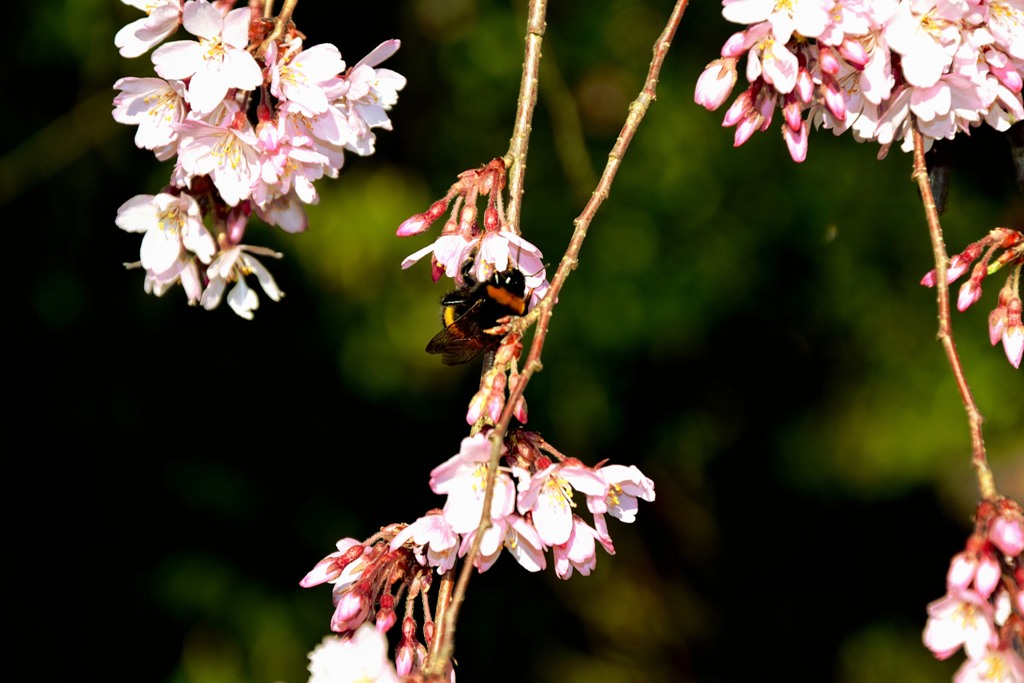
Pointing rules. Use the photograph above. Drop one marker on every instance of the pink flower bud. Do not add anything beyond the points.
(834, 98)
(386, 618)
(413, 226)
(1007, 534)
(405, 657)
(476, 406)
(796, 141)
(745, 129)
(996, 324)
(467, 218)
(491, 223)
(715, 84)
(854, 53)
(827, 59)
(1013, 344)
(351, 612)
(804, 85)
(739, 109)
(970, 292)
(736, 45)
(791, 111)
(520, 411)
(961, 570)
(987, 577)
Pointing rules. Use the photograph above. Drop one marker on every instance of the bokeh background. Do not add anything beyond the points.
(749, 332)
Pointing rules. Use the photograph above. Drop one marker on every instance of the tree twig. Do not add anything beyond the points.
(515, 160)
(986, 482)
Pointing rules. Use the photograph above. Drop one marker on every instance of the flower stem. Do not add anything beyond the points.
(986, 482)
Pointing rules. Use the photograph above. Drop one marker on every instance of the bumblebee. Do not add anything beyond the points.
(468, 311)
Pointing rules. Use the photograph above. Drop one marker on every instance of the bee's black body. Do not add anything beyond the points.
(468, 311)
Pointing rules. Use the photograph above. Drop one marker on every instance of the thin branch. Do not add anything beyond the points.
(515, 160)
(986, 483)
(444, 598)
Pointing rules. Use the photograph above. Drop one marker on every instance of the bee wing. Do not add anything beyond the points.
(462, 340)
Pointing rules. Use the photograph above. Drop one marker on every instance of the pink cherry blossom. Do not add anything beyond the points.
(433, 533)
(155, 106)
(298, 75)
(996, 666)
(214, 64)
(624, 485)
(184, 271)
(171, 224)
(548, 496)
(960, 618)
(360, 658)
(232, 265)
(228, 154)
(463, 478)
(579, 551)
(925, 39)
(162, 18)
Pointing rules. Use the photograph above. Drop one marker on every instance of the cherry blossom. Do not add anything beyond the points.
(960, 619)
(433, 533)
(297, 76)
(463, 479)
(155, 106)
(162, 18)
(547, 496)
(232, 265)
(624, 485)
(214, 64)
(228, 153)
(171, 224)
(361, 658)
(958, 67)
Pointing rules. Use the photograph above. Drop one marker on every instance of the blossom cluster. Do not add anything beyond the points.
(251, 123)
(532, 511)
(874, 67)
(983, 609)
(1004, 322)
(490, 247)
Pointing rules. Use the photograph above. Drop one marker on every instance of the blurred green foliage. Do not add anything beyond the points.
(748, 331)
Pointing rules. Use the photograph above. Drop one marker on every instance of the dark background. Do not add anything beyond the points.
(749, 332)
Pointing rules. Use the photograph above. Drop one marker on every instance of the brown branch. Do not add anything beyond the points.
(986, 483)
(282, 19)
(515, 160)
(444, 598)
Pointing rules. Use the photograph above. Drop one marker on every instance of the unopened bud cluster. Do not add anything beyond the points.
(487, 246)
(1004, 322)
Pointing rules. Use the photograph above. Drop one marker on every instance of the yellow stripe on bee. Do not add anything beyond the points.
(449, 316)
